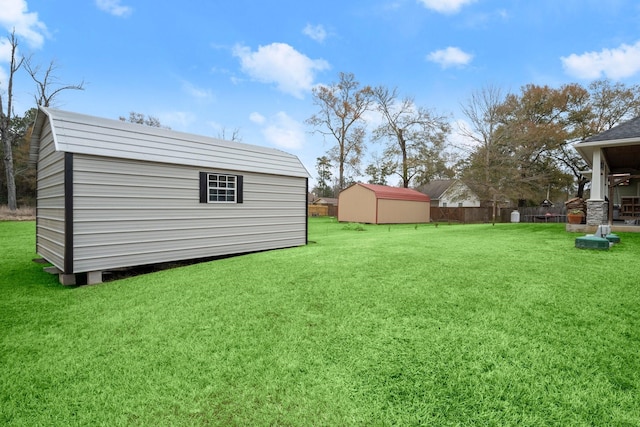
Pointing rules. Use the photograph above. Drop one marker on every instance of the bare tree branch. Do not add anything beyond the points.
(45, 95)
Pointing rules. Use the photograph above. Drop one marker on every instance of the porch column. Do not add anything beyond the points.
(596, 176)
(597, 207)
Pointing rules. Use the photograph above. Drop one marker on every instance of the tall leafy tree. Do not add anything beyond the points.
(379, 170)
(489, 160)
(340, 119)
(611, 104)
(604, 106)
(548, 121)
(535, 124)
(24, 171)
(415, 136)
(323, 186)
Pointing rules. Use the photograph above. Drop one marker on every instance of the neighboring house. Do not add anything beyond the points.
(322, 206)
(614, 158)
(329, 201)
(379, 204)
(330, 205)
(450, 193)
(112, 194)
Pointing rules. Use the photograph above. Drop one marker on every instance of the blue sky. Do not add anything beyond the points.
(201, 66)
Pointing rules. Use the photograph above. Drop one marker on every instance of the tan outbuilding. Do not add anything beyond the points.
(380, 204)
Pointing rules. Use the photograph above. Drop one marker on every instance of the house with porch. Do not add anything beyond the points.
(614, 158)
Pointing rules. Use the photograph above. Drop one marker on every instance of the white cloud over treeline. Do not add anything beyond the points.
(450, 57)
(281, 130)
(278, 63)
(616, 63)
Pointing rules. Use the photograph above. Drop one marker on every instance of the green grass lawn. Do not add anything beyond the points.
(392, 325)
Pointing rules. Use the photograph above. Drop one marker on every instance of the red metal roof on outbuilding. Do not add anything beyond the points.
(395, 193)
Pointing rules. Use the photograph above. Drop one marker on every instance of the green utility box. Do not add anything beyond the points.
(592, 242)
(613, 238)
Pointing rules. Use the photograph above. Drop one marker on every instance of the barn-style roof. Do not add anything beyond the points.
(395, 193)
(83, 134)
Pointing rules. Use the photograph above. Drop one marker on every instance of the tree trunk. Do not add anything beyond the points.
(405, 169)
(341, 171)
(5, 125)
(8, 167)
(582, 181)
(493, 213)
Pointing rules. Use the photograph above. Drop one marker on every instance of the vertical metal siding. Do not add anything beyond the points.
(130, 213)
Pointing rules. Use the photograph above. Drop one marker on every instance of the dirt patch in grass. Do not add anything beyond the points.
(20, 214)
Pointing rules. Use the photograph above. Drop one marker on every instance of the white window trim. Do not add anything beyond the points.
(222, 185)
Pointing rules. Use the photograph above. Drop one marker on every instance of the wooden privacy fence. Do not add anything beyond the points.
(322, 210)
(318, 210)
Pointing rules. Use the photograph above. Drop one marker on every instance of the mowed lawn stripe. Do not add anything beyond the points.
(367, 325)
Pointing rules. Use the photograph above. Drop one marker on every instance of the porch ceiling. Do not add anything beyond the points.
(622, 155)
(623, 159)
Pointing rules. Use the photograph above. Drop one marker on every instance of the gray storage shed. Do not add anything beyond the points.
(112, 194)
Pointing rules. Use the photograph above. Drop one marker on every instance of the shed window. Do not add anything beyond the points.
(220, 188)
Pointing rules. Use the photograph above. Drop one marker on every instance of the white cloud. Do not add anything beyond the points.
(485, 20)
(279, 63)
(3, 78)
(177, 119)
(445, 6)
(281, 130)
(14, 14)
(5, 51)
(315, 32)
(114, 8)
(196, 92)
(460, 137)
(373, 118)
(450, 57)
(257, 118)
(621, 62)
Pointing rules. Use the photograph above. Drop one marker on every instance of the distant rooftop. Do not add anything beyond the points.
(434, 189)
(395, 193)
